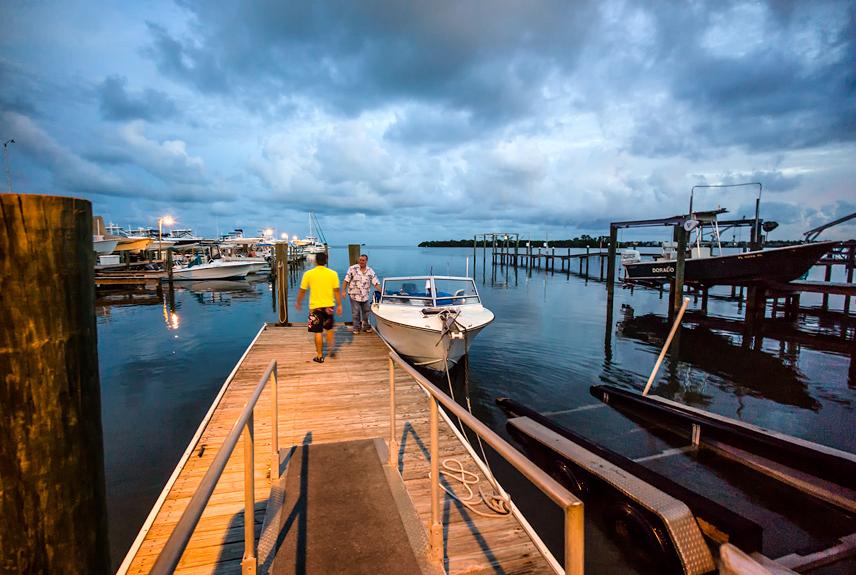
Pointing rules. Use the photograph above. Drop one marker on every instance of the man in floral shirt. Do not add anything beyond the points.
(358, 282)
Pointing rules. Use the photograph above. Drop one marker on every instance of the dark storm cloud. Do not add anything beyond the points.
(20, 89)
(778, 88)
(117, 103)
(488, 58)
(491, 62)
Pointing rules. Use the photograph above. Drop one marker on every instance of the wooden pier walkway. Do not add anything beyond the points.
(346, 398)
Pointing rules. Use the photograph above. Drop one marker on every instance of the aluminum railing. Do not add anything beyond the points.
(570, 504)
(177, 542)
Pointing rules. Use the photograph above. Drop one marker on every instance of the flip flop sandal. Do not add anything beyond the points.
(318, 359)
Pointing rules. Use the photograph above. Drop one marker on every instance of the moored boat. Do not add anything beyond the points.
(431, 320)
(774, 265)
(213, 270)
(103, 246)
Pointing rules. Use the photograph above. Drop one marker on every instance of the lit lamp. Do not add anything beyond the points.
(268, 233)
(284, 236)
(161, 221)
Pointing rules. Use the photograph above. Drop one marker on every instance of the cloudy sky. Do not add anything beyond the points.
(400, 121)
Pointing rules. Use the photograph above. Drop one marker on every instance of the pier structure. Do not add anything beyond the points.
(495, 239)
(297, 465)
(506, 251)
(546, 258)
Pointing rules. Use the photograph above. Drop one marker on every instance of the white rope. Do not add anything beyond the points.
(499, 504)
(453, 468)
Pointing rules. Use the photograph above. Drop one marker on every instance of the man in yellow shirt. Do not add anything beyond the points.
(323, 286)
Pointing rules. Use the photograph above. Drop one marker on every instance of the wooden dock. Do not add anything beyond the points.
(345, 398)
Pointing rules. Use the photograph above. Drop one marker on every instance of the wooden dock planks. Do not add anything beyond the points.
(345, 398)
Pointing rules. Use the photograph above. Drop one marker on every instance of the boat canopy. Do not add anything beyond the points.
(431, 291)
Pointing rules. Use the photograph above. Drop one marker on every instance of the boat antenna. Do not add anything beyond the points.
(6, 162)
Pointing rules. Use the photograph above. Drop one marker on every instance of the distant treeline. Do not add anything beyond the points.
(582, 242)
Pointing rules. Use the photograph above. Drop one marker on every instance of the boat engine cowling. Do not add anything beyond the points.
(631, 257)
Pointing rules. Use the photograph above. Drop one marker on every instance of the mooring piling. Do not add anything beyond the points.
(282, 267)
(53, 497)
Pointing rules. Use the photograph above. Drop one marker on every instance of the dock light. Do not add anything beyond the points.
(284, 236)
(294, 238)
(268, 232)
(168, 220)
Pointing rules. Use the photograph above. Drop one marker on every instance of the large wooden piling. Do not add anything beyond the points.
(827, 277)
(851, 263)
(678, 285)
(475, 251)
(51, 457)
(281, 263)
(610, 265)
(169, 266)
(353, 253)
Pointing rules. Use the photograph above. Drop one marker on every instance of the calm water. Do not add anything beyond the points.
(550, 342)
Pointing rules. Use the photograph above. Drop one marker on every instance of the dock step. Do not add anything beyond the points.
(345, 511)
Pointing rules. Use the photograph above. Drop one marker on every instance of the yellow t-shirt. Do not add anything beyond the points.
(321, 282)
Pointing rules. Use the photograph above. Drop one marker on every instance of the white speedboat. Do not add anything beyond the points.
(103, 246)
(431, 320)
(213, 270)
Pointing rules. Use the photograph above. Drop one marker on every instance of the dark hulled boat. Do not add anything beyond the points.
(775, 265)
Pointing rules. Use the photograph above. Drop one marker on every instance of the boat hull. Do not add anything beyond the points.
(132, 244)
(425, 347)
(258, 265)
(775, 265)
(224, 271)
(104, 247)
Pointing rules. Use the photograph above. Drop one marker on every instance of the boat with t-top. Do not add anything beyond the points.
(706, 265)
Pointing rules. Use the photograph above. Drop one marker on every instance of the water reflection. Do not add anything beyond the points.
(222, 292)
(117, 298)
(705, 352)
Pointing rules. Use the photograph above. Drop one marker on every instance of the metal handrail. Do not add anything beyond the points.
(174, 548)
(571, 505)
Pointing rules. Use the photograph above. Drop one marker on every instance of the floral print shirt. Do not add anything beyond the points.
(360, 282)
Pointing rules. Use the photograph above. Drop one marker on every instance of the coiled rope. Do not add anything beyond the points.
(499, 504)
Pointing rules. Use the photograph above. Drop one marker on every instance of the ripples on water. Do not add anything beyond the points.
(163, 361)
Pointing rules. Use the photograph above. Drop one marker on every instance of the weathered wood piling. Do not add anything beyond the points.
(52, 496)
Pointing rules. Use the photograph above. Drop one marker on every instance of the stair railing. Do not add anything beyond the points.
(177, 542)
(571, 505)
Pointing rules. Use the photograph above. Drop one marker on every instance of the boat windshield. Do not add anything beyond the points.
(428, 291)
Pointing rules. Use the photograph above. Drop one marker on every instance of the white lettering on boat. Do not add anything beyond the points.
(665, 270)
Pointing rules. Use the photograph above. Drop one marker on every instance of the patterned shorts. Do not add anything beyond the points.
(320, 319)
